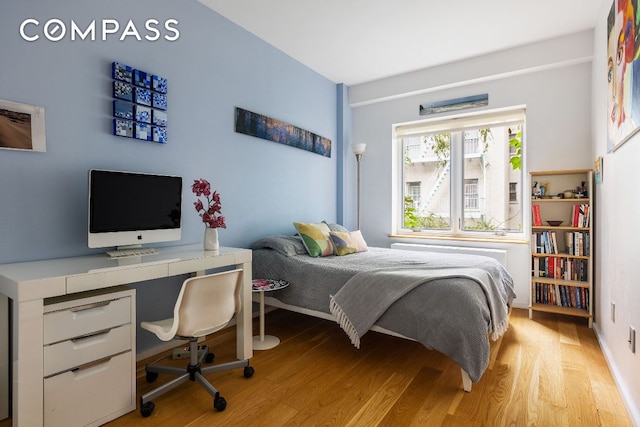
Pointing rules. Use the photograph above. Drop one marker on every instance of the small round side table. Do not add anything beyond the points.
(265, 342)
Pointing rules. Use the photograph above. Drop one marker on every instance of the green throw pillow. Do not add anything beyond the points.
(315, 238)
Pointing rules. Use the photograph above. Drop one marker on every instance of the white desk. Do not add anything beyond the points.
(27, 284)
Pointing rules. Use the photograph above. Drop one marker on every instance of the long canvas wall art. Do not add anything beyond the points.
(264, 127)
(623, 73)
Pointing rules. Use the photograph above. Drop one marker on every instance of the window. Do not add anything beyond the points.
(513, 192)
(460, 175)
(471, 194)
(413, 191)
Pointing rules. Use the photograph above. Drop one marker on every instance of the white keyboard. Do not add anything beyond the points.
(120, 253)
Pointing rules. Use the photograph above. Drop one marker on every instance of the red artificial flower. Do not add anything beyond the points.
(212, 214)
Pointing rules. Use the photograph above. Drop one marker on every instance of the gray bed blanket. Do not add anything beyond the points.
(367, 295)
(423, 314)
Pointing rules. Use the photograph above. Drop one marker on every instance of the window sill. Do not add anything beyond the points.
(448, 237)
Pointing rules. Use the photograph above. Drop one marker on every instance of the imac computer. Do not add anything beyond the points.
(129, 209)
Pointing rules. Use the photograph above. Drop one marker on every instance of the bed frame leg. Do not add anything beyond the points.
(466, 381)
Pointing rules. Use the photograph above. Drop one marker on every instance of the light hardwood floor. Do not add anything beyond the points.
(548, 371)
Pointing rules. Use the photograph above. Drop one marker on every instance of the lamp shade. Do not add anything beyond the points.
(358, 148)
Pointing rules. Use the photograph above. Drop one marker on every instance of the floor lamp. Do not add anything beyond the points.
(358, 150)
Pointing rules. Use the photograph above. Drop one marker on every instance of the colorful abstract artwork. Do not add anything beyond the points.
(139, 104)
(623, 74)
(261, 126)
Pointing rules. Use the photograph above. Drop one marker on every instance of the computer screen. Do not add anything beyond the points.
(131, 208)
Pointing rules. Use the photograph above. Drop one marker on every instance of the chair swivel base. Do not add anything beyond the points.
(193, 372)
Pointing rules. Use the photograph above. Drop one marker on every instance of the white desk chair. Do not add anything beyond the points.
(205, 305)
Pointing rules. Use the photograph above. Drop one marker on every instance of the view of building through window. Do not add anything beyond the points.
(464, 180)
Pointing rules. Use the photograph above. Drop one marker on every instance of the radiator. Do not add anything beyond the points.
(499, 254)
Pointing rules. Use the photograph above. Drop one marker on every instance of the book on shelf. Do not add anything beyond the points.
(568, 242)
(577, 243)
(560, 268)
(537, 217)
(580, 214)
(561, 295)
(544, 242)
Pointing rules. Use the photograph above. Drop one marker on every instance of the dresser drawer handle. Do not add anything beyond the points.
(96, 305)
(91, 368)
(88, 340)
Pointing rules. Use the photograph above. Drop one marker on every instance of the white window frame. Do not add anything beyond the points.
(498, 117)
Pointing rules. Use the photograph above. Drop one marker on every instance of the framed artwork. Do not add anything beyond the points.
(159, 84)
(123, 128)
(143, 131)
(122, 109)
(22, 126)
(140, 78)
(472, 101)
(159, 100)
(122, 72)
(597, 169)
(143, 96)
(122, 91)
(623, 74)
(143, 114)
(139, 104)
(160, 134)
(264, 127)
(159, 118)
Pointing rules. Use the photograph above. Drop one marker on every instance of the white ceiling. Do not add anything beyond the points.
(356, 41)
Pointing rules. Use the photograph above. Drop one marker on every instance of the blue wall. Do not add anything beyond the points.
(212, 68)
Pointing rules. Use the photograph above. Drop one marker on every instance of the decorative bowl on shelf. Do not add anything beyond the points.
(554, 223)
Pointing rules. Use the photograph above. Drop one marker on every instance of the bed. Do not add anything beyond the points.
(451, 310)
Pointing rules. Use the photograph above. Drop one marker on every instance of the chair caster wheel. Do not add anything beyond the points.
(152, 376)
(249, 371)
(209, 357)
(219, 403)
(147, 408)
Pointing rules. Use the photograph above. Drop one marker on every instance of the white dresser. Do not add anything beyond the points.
(89, 357)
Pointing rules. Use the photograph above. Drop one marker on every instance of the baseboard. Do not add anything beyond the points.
(524, 306)
(632, 408)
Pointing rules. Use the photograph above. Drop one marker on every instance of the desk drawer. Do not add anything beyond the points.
(104, 279)
(93, 394)
(76, 352)
(86, 319)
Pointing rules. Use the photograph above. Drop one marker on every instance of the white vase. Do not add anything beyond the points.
(211, 239)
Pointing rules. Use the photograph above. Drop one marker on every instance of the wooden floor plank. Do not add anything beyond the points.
(545, 371)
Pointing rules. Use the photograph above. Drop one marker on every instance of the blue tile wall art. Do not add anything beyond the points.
(143, 114)
(159, 118)
(123, 128)
(139, 104)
